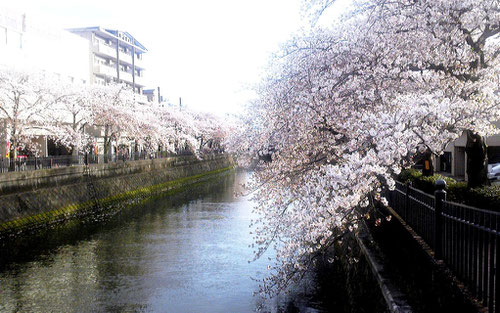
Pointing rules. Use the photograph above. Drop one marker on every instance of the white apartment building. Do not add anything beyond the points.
(114, 56)
(28, 43)
(454, 159)
(91, 55)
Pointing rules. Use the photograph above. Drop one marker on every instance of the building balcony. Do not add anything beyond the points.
(125, 76)
(139, 81)
(141, 98)
(103, 49)
(105, 70)
(126, 58)
(139, 62)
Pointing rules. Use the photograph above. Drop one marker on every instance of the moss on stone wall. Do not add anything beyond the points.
(38, 208)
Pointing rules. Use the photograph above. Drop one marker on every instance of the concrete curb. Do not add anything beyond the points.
(438, 265)
(394, 298)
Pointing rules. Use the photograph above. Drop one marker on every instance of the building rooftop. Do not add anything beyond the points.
(123, 36)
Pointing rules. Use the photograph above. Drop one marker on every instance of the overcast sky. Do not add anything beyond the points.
(207, 52)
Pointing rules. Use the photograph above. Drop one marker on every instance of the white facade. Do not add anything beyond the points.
(114, 56)
(454, 159)
(85, 55)
(28, 43)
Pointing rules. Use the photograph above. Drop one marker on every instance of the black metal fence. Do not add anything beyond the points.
(467, 239)
(34, 163)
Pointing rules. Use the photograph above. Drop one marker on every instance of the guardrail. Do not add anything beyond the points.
(36, 163)
(467, 239)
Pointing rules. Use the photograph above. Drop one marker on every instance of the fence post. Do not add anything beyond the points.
(407, 200)
(440, 196)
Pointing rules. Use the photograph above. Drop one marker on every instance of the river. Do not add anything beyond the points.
(184, 253)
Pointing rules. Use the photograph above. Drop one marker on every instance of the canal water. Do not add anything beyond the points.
(184, 253)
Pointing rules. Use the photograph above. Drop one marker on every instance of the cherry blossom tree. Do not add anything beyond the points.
(71, 114)
(34, 104)
(344, 109)
(178, 129)
(212, 130)
(149, 132)
(112, 110)
(163, 127)
(26, 98)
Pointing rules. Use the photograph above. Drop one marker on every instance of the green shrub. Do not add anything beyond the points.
(428, 183)
(457, 192)
(487, 197)
(409, 175)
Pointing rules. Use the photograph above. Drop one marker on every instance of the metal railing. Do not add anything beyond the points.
(467, 239)
(36, 163)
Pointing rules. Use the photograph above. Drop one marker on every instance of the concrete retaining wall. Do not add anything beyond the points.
(34, 198)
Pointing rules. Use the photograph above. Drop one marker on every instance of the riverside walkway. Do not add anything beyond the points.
(464, 238)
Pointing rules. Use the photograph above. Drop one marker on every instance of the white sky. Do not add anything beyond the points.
(206, 51)
(209, 52)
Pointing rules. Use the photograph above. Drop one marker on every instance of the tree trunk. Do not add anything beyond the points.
(107, 141)
(12, 156)
(201, 143)
(477, 160)
(12, 150)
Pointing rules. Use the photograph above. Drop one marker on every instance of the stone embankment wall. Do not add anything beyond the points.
(35, 198)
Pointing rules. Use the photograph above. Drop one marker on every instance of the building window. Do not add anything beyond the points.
(13, 39)
(3, 35)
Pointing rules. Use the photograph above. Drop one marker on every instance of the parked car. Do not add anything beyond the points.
(494, 172)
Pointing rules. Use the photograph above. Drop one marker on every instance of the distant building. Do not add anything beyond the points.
(453, 161)
(29, 43)
(114, 56)
(153, 95)
(91, 55)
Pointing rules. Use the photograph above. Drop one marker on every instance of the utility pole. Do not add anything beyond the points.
(133, 67)
(117, 60)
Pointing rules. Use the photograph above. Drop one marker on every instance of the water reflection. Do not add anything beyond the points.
(187, 253)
